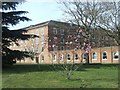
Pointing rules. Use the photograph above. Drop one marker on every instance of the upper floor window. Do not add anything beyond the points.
(32, 49)
(116, 55)
(42, 39)
(21, 42)
(104, 55)
(62, 40)
(32, 40)
(62, 48)
(54, 31)
(42, 48)
(68, 48)
(55, 48)
(25, 42)
(94, 56)
(42, 31)
(37, 40)
(62, 31)
(37, 32)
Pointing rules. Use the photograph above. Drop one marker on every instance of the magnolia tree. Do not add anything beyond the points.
(74, 39)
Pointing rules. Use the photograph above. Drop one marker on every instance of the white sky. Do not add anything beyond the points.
(39, 11)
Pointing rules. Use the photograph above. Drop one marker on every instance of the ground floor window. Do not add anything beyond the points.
(104, 55)
(61, 57)
(68, 56)
(54, 57)
(94, 56)
(115, 55)
(42, 58)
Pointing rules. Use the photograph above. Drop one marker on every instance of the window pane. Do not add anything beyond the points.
(104, 55)
(115, 55)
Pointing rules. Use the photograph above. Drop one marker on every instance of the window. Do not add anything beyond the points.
(75, 56)
(62, 48)
(25, 42)
(54, 48)
(116, 55)
(32, 49)
(32, 40)
(62, 40)
(61, 57)
(37, 33)
(37, 40)
(54, 31)
(104, 56)
(54, 57)
(37, 48)
(68, 56)
(42, 31)
(68, 48)
(21, 42)
(94, 56)
(42, 58)
(102, 37)
(62, 31)
(42, 39)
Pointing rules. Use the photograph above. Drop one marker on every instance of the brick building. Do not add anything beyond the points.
(58, 42)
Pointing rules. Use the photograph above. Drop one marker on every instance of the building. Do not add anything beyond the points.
(60, 42)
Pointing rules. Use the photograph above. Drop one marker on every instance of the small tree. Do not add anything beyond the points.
(71, 39)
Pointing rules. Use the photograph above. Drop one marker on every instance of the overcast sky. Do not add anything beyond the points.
(39, 11)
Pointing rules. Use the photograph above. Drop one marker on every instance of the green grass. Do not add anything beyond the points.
(87, 76)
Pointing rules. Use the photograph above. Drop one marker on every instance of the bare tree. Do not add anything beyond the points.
(83, 14)
(93, 15)
(110, 20)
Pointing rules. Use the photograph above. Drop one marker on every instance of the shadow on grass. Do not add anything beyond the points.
(24, 68)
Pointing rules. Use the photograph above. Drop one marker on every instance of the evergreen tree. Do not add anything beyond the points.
(12, 17)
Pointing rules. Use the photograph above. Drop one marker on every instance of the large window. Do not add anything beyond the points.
(75, 56)
(104, 55)
(94, 56)
(68, 56)
(116, 55)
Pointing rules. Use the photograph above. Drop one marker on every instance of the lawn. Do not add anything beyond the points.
(87, 76)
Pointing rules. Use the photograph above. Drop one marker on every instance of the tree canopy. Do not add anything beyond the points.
(9, 37)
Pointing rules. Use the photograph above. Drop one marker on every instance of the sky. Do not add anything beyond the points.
(39, 11)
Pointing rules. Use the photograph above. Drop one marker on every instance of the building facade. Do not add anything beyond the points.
(60, 42)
